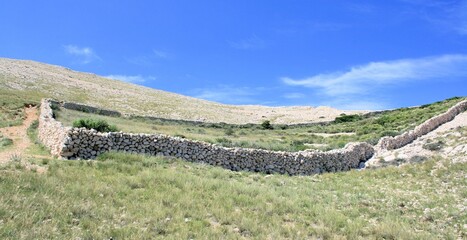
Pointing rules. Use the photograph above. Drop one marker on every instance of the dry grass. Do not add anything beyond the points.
(138, 197)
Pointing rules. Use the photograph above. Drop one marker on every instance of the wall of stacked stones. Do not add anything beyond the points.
(73, 143)
(388, 143)
(52, 133)
(89, 109)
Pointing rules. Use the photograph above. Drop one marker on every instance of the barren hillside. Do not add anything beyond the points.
(65, 84)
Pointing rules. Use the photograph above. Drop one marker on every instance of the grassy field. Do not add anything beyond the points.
(282, 137)
(139, 197)
(12, 104)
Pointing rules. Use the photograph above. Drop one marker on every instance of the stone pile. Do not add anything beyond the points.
(388, 143)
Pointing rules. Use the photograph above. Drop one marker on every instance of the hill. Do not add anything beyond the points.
(43, 80)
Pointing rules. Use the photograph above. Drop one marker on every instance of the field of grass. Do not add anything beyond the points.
(12, 104)
(140, 197)
(281, 137)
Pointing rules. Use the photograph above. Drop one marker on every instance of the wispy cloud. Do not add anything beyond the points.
(160, 54)
(364, 78)
(253, 42)
(310, 27)
(361, 8)
(294, 95)
(446, 15)
(361, 87)
(150, 58)
(131, 78)
(84, 54)
(228, 94)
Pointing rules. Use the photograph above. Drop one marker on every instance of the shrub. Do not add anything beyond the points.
(229, 132)
(4, 141)
(223, 141)
(266, 125)
(434, 146)
(96, 124)
(347, 118)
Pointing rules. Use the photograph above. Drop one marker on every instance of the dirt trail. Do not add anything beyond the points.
(19, 136)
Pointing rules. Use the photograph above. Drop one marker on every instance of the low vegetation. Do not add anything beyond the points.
(96, 124)
(12, 104)
(123, 196)
(347, 128)
(5, 142)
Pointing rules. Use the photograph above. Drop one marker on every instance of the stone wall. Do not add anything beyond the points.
(89, 109)
(84, 143)
(72, 143)
(388, 143)
(52, 133)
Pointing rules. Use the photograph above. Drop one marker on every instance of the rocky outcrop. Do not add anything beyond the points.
(388, 143)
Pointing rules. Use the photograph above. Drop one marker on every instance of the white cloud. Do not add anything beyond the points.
(160, 54)
(294, 95)
(253, 42)
(357, 104)
(131, 79)
(365, 78)
(227, 94)
(85, 54)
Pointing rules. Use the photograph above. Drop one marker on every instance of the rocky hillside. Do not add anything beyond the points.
(61, 83)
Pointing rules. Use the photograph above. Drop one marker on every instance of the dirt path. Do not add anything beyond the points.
(19, 136)
(453, 136)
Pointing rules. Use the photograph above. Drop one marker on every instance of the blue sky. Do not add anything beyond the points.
(345, 54)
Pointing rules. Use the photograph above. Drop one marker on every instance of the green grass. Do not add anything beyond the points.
(5, 142)
(281, 137)
(37, 148)
(139, 197)
(12, 103)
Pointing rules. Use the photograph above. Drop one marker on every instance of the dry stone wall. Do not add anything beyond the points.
(90, 109)
(84, 143)
(52, 133)
(388, 143)
(73, 143)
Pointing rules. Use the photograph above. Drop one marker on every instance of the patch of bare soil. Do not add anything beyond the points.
(20, 138)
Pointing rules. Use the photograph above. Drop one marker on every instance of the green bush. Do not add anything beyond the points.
(266, 125)
(347, 118)
(229, 132)
(96, 124)
(434, 146)
(4, 141)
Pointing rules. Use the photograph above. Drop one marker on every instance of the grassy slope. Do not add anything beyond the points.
(136, 197)
(290, 139)
(65, 84)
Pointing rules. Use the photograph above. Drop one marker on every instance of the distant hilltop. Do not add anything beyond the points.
(44, 80)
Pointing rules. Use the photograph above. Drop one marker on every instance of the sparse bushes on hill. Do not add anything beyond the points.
(97, 124)
(347, 118)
